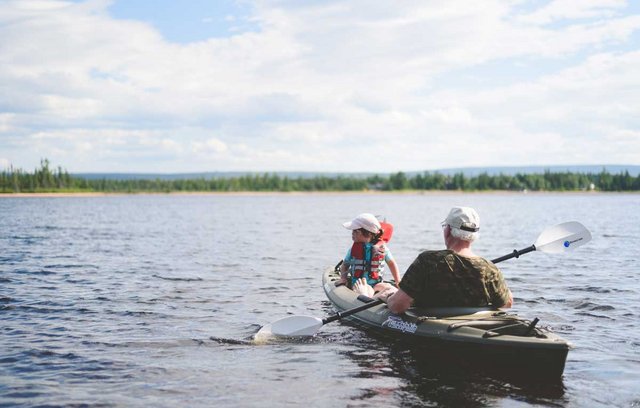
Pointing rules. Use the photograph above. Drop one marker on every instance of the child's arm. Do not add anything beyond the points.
(391, 263)
(344, 269)
(343, 274)
(393, 267)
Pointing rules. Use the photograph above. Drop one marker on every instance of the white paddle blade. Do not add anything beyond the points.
(294, 326)
(563, 237)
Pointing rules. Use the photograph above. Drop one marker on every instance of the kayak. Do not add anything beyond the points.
(490, 339)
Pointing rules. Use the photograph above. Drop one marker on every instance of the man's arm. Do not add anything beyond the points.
(509, 302)
(397, 300)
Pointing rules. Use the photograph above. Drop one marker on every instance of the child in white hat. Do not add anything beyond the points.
(367, 257)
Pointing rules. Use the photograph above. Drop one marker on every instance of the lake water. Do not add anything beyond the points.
(152, 300)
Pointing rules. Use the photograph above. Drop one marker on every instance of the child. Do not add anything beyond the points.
(368, 255)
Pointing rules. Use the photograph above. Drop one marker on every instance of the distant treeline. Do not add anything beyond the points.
(46, 179)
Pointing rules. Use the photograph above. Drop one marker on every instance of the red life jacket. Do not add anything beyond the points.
(372, 267)
(365, 266)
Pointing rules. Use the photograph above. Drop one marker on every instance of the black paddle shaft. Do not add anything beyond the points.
(340, 315)
(515, 254)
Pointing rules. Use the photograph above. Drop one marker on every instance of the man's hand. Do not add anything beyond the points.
(385, 293)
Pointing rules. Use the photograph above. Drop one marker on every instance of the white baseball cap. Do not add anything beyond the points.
(463, 218)
(365, 220)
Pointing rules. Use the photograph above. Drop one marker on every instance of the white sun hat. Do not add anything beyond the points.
(365, 220)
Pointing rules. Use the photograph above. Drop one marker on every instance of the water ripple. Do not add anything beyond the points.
(197, 279)
(593, 306)
(153, 301)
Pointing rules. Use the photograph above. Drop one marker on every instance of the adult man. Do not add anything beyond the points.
(451, 277)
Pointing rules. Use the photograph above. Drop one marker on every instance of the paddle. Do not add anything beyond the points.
(560, 238)
(296, 326)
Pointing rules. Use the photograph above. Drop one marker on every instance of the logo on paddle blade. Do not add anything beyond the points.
(396, 323)
(568, 243)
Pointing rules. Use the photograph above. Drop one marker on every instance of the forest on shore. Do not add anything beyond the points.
(46, 179)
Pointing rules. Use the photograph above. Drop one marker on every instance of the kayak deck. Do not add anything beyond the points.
(493, 338)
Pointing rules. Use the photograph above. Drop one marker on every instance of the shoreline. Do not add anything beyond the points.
(295, 193)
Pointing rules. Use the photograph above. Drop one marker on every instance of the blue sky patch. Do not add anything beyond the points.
(191, 21)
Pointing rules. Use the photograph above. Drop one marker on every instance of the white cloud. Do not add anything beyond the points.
(317, 81)
(569, 9)
(5, 122)
(170, 145)
(449, 114)
(212, 146)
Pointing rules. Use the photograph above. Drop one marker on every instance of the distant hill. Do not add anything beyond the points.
(511, 170)
(467, 171)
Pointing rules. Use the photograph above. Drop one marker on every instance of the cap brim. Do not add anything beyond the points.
(349, 225)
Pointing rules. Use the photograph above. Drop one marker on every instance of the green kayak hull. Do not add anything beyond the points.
(485, 338)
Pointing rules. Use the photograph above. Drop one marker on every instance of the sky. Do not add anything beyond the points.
(161, 86)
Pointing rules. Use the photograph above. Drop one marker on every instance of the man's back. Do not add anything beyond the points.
(444, 278)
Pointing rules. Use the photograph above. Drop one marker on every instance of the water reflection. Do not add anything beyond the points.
(425, 376)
